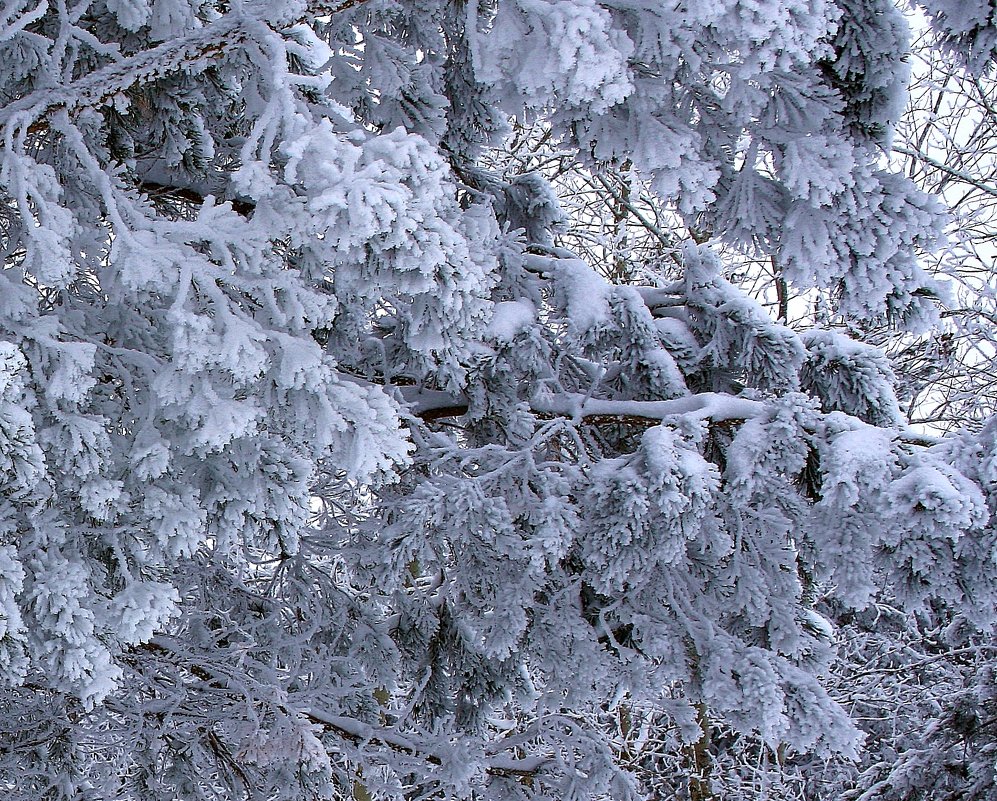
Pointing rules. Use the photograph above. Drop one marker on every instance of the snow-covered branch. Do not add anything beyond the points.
(235, 563)
(366, 735)
(190, 53)
(95, 88)
(703, 406)
(432, 404)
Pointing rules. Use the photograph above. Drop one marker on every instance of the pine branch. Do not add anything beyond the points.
(204, 45)
(210, 42)
(357, 732)
(347, 728)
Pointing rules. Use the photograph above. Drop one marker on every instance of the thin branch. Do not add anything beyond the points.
(938, 165)
(158, 190)
(650, 226)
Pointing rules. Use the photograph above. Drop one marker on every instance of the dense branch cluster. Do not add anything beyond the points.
(327, 471)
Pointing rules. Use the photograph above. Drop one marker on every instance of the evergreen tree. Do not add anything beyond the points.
(327, 473)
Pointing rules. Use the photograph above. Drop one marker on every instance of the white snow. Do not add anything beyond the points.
(585, 293)
(510, 318)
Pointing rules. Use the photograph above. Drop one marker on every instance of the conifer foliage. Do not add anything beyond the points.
(326, 473)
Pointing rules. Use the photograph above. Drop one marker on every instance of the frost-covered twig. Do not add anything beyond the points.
(962, 175)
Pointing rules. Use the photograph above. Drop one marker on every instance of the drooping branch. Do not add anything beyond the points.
(495, 762)
(357, 732)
